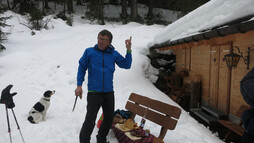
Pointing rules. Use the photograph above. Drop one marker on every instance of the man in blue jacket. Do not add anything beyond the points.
(100, 62)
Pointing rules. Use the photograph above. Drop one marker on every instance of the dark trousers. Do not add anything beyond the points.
(94, 102)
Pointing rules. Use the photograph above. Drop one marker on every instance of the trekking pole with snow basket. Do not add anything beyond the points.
(18, 125)
(8, 123)
(6, 98)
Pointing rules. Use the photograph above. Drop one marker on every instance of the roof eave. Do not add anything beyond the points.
(218, 32)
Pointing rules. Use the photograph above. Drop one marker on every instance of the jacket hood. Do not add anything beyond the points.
(109, 49)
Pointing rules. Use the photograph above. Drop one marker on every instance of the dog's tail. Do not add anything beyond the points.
(31, 119)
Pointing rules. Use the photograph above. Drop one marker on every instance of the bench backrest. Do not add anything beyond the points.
(158, 112)
(241, 109)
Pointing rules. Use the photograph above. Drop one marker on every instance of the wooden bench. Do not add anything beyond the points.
(158, 112)
(234, 127)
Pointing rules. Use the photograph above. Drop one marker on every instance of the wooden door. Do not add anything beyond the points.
(224, 80)
(219, 78)
(214, 75)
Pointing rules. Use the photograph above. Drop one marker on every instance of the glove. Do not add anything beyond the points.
(6, 97)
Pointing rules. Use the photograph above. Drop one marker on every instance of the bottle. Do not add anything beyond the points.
(142, 123)
(147, 132)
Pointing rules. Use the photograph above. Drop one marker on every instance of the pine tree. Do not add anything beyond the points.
(3, 24)
(134, 10)
(36, 18)
(96, 11)
(124, 9)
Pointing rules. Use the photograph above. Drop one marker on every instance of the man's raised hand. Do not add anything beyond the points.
(128, 44)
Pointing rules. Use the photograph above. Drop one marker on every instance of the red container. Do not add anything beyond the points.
(100, 121)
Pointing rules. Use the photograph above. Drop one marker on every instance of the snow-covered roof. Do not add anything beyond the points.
(213, 14)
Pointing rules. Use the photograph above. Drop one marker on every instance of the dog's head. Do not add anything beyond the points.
(49, 93)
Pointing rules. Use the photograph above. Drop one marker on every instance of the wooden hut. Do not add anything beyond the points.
(204, 53)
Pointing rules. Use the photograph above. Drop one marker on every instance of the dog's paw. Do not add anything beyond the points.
(31, 119)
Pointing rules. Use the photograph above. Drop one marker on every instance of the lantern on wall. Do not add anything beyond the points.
(232, 59)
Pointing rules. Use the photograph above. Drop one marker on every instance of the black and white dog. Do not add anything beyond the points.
(39, 110)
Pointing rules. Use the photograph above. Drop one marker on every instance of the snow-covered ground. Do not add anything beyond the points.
(49, 60)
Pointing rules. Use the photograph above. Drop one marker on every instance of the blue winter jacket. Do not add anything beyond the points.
(101, 67)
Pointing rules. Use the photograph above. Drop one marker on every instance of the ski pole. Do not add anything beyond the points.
(8, 122)
(75, 103)
(17, 125)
